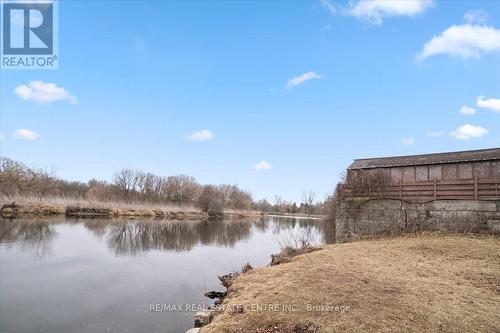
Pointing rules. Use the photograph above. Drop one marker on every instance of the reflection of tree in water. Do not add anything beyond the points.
(130, 237)
(136, 236)
(221, 232)
(98, 227)
(35, 235)
(281, 224)
(261, 224)
(291, 231)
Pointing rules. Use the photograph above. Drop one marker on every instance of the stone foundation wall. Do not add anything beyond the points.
(356, 218)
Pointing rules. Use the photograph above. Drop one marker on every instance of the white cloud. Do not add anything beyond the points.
(408, 141)
(2, 137)
(25, 134)
(298, 80)
(202, 135)
(262, 165)
(464, 41)
(467, 110)
(43, 92)
(375, 11)
(435, 134)
(467, 131)
(330, 6)
(491, 103)
(476, 16)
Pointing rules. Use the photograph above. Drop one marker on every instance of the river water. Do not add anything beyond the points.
(91, 275)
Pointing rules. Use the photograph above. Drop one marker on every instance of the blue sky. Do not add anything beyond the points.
(288, 93)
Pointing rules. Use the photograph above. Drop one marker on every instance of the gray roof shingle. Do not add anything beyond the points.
(426, 159)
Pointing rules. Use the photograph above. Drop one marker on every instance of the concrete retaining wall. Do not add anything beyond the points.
(360, 217)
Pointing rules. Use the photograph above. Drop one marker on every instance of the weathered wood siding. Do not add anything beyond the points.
(445, 189)
(449, 171)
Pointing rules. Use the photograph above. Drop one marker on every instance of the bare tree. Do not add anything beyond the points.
(101, 191)
(128, 185)
(263, 205)
(18, 179)
(308, 200)
(209, 200)
(125, 181)
(278, 202)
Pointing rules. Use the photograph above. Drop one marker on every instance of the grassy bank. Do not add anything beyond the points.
(25, 207)
(425, 283)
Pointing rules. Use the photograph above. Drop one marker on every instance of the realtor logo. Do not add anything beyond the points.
(29, 35)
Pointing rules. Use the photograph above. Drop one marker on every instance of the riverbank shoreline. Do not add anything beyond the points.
(48, 209)
(408, 283)
(312, 217)
(298, 216)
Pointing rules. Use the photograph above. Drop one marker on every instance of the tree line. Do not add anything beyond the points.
(127, 185)
(136, 186)
(308, 205)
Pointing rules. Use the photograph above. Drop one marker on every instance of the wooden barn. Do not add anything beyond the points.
(462, 175)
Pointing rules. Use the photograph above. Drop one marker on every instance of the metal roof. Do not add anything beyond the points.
(426, 159)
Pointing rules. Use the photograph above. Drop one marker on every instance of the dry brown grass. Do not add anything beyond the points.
(59, 205)
(65, 202)
(426, 283)
(288, 252)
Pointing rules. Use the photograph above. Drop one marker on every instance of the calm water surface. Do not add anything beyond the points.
(92, 275)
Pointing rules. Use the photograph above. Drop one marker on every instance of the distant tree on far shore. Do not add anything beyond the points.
(128, 186)
(308, 198)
